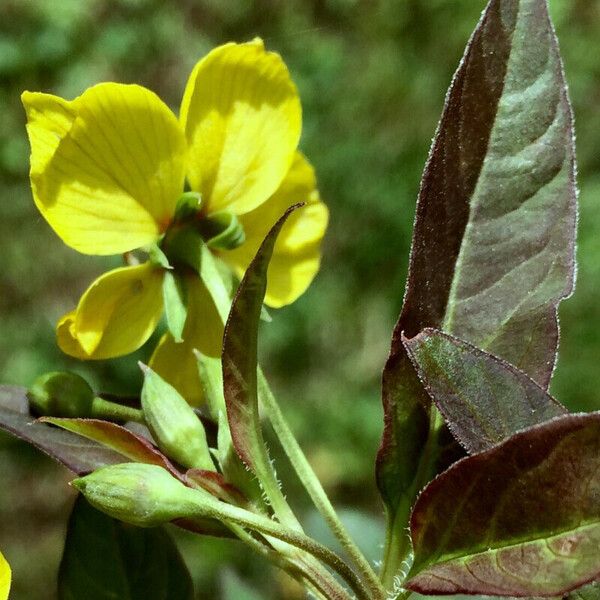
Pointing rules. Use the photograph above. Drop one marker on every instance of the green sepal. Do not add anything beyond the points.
(188, 205)
(223, 231)
(173, 423)
(185, 246)
(157, 257)
(175, 301)
(211, 380)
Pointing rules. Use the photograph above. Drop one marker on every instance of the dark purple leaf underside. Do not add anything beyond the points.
(239, 357)
(492, 250)
(484, 399)
(521, 519)
(78, 454)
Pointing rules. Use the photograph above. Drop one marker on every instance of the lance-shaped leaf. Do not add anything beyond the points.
(78, 454)
(492, 252)
(521, 519)
(239, 359)
(483, 398)
(130, 445)
(104, 558)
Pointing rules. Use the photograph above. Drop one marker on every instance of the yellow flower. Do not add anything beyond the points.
(109, 168)
(5, 576)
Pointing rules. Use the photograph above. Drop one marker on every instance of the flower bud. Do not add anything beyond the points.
(175, 426)
(61, 395)
(140, 494)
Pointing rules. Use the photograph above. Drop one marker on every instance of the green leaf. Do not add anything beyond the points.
(105, 559)
(175, 301)
(483, 398)
(521, 519)
(77, 454)
(240, 347)
(235, 589)
(130, 445)
(493, 243)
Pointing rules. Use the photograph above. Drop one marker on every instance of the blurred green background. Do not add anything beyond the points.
(372, 75)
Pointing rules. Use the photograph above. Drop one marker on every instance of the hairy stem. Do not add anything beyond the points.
(211, 508)
(313, 486)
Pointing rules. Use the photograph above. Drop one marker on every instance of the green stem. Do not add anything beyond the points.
(105, 409)
(211, 508)
(314, 488)
(398, 545)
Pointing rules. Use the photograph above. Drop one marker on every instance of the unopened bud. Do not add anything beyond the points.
(140, 494)
(177, 430)
(61, 395)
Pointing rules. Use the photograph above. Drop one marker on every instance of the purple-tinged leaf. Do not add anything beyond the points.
(239, 359)
(493, 244)
(77, 454)
(215, 484)
(521, 519)
(115, 437)
(104, 558)
(483, 398)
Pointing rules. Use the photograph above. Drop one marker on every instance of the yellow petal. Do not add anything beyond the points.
(242, 118)
(203, 331)
(107, 168)
(5, 577)
(296, 256)
(115, 315)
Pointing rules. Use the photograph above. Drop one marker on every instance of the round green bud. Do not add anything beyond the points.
(59, 394)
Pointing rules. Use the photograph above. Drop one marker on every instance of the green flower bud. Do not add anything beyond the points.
(176, 428)
(61, 395)
(140, 494)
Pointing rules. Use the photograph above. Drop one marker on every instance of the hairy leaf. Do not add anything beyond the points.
(105, 559)
(77, 454)
(239, 360)
(130, 445)
(492, 250)
(484, 399)
(521, 519)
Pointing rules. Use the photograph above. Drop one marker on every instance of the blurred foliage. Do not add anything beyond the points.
(372, 76)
